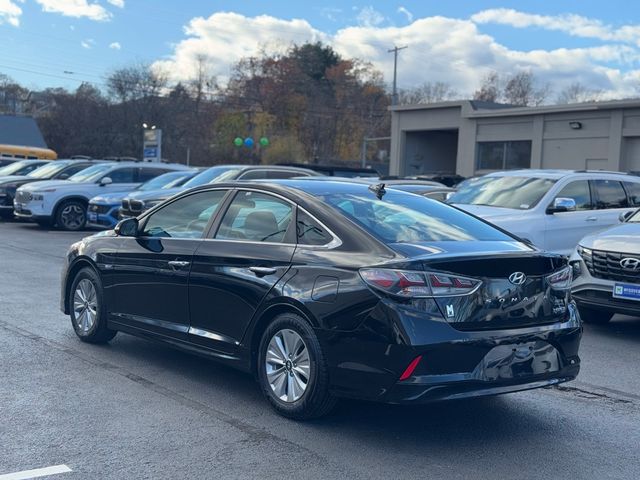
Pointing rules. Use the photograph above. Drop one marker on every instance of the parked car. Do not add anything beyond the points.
(426, 188)
(606, 269)
(22, 167)
(102, 211)
(60, 169)
(64, 202)
(336, 170)
(139, 202)
(553, 209)
(331, 289)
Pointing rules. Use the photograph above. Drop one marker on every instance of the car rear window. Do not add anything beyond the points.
(405, 218)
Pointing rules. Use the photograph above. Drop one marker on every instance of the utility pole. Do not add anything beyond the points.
(395, 50)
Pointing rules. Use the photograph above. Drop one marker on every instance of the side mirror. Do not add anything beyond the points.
(624, 216)
(63, 176)
(105, 181)
(127, 227)
(562, 204)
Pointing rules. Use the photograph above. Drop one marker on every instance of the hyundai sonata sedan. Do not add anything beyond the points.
(325, 290)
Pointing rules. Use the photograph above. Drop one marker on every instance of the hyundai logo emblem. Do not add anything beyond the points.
(630, 263)
(517, 278)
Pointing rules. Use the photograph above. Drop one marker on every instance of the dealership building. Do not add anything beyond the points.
(471, 137)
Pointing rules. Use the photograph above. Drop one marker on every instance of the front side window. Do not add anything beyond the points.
(521, 193)
(256, 217)
(580, 192)
(504, 155)
(146, 174)
(610, 194)
(123, 175)
(187, 217)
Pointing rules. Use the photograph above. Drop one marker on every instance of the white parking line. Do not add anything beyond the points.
(38, 472)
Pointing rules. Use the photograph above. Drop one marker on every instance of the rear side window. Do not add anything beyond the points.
(145, 174)
(610, 194)
(580, 192)
(311, 232)
(256, 217)
(122, 175)
(633, 191)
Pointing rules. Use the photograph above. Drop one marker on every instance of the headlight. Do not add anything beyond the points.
(561, 280)
(584, 251)
(38, 196)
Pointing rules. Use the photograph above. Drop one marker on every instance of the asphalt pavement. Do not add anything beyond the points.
(137, 409)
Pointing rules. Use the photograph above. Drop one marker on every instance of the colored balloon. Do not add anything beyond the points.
(248, 142)
(237, 141)
(264, 141)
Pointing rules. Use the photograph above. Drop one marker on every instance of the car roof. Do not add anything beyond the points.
(554, 174)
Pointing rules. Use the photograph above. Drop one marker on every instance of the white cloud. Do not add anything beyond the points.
(575, 25)
(76, 8)
(440, 49)
(10, 12)
(115, 46)
(88, 43)
(116, 3)
(369, 17)
(406, 13)
(331, 13)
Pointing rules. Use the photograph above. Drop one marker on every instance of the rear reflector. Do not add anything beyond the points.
(412, 366)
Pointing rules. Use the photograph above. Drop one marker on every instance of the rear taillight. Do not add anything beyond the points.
(560, 280)
(411, 284)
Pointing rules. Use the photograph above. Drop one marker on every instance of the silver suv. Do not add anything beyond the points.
(606, 268)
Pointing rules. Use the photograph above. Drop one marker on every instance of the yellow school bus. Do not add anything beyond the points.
(18, 152)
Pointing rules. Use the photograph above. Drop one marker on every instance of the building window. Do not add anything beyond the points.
(504, 155)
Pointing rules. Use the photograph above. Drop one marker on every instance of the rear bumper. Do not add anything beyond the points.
(457, 364)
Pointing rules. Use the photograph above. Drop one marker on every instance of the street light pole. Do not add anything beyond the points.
(395, 50)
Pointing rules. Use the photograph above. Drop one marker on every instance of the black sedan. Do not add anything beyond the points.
(331, 289)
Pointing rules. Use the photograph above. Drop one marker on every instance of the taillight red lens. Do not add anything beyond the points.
(406, 283)
(411, 368)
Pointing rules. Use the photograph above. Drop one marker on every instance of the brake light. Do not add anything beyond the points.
(409, 284)
(410, 369)
(561, 280)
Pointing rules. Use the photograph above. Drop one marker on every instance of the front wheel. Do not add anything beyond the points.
(71, 215)
(598, 317)
(88, 312)
(292, 370)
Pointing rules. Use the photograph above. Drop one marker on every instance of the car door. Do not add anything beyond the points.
(152, 269)
(563, 230)
(231, 273)
(611, 200)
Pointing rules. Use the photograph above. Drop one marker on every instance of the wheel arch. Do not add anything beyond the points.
(80, 198)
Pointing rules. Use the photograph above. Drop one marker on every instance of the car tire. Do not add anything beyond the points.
(290, 353)
(87, 309)
(593, 316)
(71, 215)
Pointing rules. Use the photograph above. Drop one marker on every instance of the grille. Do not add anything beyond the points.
(606, 265)
(23, 196)
(135, 205)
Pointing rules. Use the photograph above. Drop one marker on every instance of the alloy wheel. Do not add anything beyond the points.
(287, 365)
(85, 305)
(72, 216)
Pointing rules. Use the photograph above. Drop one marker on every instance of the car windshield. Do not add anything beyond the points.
(521, 193)
(219, 174)
(405, 218)
(161, 181)
(48, 170)
(13, 168)
(91, 174)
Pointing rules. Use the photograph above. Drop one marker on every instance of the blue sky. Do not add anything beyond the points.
(63, 42)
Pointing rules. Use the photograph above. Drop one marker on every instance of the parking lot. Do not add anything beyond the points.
(135, 409)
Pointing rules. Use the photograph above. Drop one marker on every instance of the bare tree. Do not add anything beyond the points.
(490, 88)
(578, 93)
(521, 90)
(428, 92)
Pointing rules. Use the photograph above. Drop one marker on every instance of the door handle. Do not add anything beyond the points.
(178, 263)
(592, 219)
(262, 271)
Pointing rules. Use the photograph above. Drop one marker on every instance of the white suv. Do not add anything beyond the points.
(553, 209)
(64, 202)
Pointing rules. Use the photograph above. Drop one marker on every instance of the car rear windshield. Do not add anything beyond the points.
(405, 218)
(521, 193)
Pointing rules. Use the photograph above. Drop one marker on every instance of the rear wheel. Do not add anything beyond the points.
(292, 370)
(71, 215)
(590, 315)
(88, 314)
